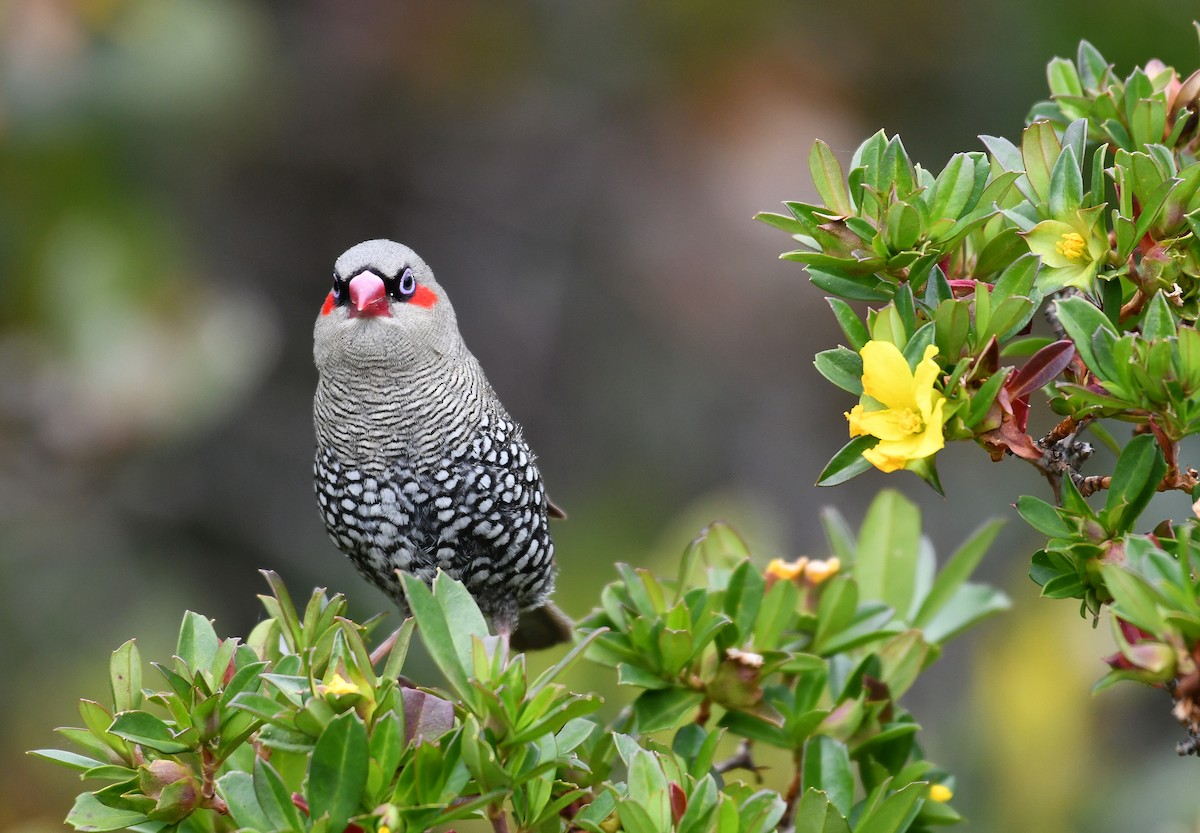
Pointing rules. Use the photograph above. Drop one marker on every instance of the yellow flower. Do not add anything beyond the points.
(940, 793)
(909, 423)
(818, 571)
(786, 570)
(1072, 251)
(338, 686)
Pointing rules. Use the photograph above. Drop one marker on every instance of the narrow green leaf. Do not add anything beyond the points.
(1039, 152)
(815, 814)
(147, 730)
(840, 536)
(957, 570)
(337, 772)
(275, 799)
(887, 551)
(89, 814)
(1159, 321)
(1135, 479)
(1066, 184)
(1063, 78)
(1081, 319)
(198, 643)
(843, 367)
(437, 634)
(1134, 599)
(828, 179)
(1042, 516)
(664, 708)
(125, 677)
(827, 769)
(969, 604)
(848, 463)
(237, 789)
(852, 326)
(80, 763)
(895, 813)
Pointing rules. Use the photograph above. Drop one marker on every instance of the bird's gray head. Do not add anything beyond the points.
(385, 310)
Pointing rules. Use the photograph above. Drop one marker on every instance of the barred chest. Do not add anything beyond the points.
(476, 511)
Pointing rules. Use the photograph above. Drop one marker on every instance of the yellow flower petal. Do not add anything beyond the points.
(885, 458)
(786, 570)
(888, 424)
(926, 374)
(940, 793)
(338, 685)
(886, 377)
(818, 571)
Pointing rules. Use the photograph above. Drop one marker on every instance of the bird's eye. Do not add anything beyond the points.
(338, 288)
(408, 283)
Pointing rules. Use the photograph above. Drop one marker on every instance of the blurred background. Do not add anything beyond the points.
(176, 179)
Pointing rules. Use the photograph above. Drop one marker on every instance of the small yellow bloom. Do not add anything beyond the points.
(338, 686)
(383, 828)
(786, 570)
(818, 571)
(940, 793)
(909, 425)
(1071, 245)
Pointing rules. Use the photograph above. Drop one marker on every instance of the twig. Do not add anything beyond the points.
(498, 818)
(742, 759)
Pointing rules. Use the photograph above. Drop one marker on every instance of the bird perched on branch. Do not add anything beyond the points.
(418, 465)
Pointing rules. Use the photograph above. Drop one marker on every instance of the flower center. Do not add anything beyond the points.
(1071, 245)
(909, 420)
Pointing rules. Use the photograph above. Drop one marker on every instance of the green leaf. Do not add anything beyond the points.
(338, 770)
(828, 179)
(852, 326)
(1134, 599)
(1159, 321)
(437, 634)
(1139, 470)
(970, 603)
(1082, 320)
(1063, 78)
(89, 814)
(275, 799)
(957, 570)
(894, 813)
(664, 708)
(147, 730)
(855, 287)
(843, 367)
(198, 643)
(125, 677)
(848, 462)
(1042, 516)
(1039, 152)
(827, 769)
(816, 814)
(839, 535)
(1093, 69)
(888, 546)
(1066, 184)
(72, 760)
(237, 789)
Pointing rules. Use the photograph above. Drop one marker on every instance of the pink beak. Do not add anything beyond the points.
(368, 296)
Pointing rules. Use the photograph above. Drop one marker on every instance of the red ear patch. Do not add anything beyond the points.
(423, 297)
(329, 304)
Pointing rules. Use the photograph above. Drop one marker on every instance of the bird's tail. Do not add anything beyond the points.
(542, 627)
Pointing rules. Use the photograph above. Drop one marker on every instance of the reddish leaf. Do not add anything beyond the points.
(1043, 366)
(678, 801)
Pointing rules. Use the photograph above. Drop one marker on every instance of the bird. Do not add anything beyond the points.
(418, 466)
